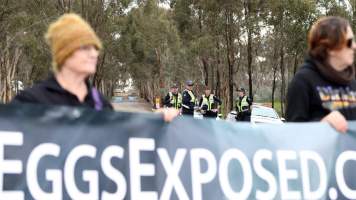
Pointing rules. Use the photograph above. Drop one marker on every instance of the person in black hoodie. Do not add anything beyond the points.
(75, 50)
(324, 88)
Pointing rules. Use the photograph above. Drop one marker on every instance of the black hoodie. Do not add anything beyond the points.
(311, 95)
(49, 92)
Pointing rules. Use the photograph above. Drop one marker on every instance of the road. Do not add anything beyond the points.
(133, 106)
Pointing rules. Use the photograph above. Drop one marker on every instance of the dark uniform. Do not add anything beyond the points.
(243, 107)
(207, 104)
(188, 102)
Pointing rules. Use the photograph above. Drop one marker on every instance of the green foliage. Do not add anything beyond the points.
(202, 40)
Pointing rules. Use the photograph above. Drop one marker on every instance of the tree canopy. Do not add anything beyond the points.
(226, 44)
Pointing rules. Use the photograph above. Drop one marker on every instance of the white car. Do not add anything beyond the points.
(263, 114)
(231, 116)
(199, 115)
(259, 114)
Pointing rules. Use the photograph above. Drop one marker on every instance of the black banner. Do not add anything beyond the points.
(70, 153)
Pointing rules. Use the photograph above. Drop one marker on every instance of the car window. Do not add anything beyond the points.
(265, 112)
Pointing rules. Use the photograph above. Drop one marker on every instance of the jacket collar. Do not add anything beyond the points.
(52, 84)
(329, 73)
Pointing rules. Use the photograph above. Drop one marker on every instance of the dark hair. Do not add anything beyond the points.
(327, 33)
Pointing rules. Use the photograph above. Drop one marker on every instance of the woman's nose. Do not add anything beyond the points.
(94, 52)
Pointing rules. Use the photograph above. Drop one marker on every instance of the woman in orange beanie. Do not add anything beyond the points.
(75, 49)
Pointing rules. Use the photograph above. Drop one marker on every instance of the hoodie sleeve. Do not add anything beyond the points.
(298, 101)
(25, 96)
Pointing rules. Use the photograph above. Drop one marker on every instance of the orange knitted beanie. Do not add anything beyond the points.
(67, 34)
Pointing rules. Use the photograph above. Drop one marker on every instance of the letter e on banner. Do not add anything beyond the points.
(9, 166)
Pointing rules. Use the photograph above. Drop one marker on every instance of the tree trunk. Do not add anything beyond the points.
(274, 84)
(230, 58)
(353, 6)
(295, 62)
(274, 67)
(249, 45)
(218, 83)
(212, 80)
(218, 62)
(283, 79)
(9, 62)
(161, 79)
(282, 67)
(98, 76)
(205, 70)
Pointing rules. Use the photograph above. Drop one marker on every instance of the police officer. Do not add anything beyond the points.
(188, 101)
(209, 104)
(173, 99)
(243, 106)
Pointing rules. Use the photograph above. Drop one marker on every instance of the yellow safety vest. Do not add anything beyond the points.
(176, 101)
(192, 97)
(244, 103)
(208, 101)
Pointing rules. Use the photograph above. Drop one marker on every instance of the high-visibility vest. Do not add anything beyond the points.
(192, 97)
(208, 101)
(244, 103)
(176, 101)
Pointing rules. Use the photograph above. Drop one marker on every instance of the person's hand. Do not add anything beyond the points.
(168, 113)
(336, 120)
(214, 110)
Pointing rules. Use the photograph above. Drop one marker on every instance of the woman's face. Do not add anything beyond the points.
(344, 56)
(83, 60)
